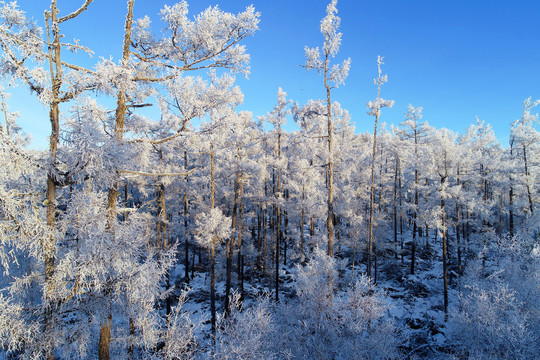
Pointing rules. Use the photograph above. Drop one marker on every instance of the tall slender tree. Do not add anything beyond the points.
(333, 76)
(375, 110)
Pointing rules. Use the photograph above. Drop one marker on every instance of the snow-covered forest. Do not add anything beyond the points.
(203, 232)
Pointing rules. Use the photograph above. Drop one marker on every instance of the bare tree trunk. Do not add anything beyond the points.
(162, 240)
(230, 243)
(131, 345)
(49, 244)
(105, 340)
(527, 182)
(259, 237)
(265, 237)
(444, 244)
(511, 211)
(213, 248)
(120, 115)
(278, 218)
(285, 227)
(330, 219)
(395, 208)
(302, 220)
(186, 231)
(372, 195)
(278, 238)
(400, 204)
(376, 113)
(239, 243)
(458, 237)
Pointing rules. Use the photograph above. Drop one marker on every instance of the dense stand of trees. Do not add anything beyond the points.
(100, 233)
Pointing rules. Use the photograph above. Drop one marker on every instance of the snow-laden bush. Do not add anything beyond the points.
(369, 334)
(179, 337)
(499, 309)
(246, 333)
(323, 324)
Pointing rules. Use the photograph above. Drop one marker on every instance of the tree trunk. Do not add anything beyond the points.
(511, 211)
(239, 244)
(49, 244)
(265, 228)
(395, 209)
(105, 339)
(120, 115)
(259, 237)
(230, 243)
(330, 219)
(458, 237)
(161, 241)
(278, 244)
(186, 223)
(213, 248)
(302, 219)
(527, 182)
(444, 243)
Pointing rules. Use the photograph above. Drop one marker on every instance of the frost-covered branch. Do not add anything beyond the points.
(76, 12)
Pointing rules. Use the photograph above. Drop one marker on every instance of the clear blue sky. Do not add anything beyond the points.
(457, 59)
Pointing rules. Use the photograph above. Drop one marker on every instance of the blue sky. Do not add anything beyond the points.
(457, 59)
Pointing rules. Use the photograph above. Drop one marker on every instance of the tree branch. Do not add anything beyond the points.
(75, 13)
(156, 174)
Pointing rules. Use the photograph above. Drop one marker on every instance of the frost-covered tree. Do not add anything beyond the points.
(277, 119)
(412, 133)
(333, 76)
(22, 225)
(34, 58)
(525, 143)
(375, 110)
